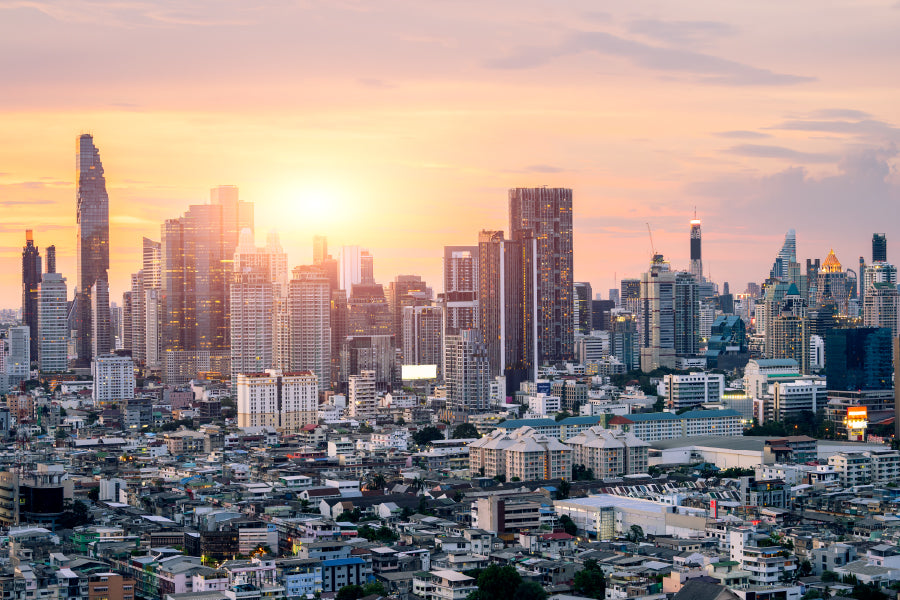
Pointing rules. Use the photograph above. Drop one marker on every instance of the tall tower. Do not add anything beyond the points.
(52, 304)
(309, 307)
(91, 248)
(879, 247)
(350, 272)
(696, 259)
(251, 322)
(460, 297)
(545, 214)
(31, 280)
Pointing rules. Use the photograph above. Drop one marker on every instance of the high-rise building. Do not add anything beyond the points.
(52, 330)
(339, 327)
(467, 372)
(582, 307)
(687, 318)
(368, 312)
(138, 344)
(252, 312)
(375, 353)
(320, 249)
(101, 340)
(786, 256)
(127, 319)
(197, 253)
(92, 250)
(833, 285)
(18, 359)
(544, 215)
(625, 340)
(507, 305)
(422, 327)
(350, 268)
(613, 297)
(881, 307)
(858, 359)
(460, 297)
(696, 259)
(51, 259)
(879, 247)
(404, 291)
(113, 378)
(31, 279)
(790, 329)
(657, 314)
(285, 400)
(362, 402)
(150, 303)
(366, 267)
(631, 296)
(309, 307)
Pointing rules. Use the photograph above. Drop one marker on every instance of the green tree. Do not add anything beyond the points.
(568, 525)
(366, 428)
(562, 415)
(563, 490)
(465, 431)
(636, 534)
(94, 494)
(350, 592)
(497, 583)
(376, 587)
(804, 569)
(426, 435)
(530, 590)
(590, 581)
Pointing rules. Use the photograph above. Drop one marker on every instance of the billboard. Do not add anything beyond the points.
(410, 372)
(543, 387)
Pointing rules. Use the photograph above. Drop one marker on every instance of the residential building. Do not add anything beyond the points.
(309, 307)
(53, 330)
(362, 401)
(277, 399)
(113, 378)
(609, 453)
(684, 391)
(467, 375)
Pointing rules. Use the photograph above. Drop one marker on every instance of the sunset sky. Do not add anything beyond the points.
(399, 126)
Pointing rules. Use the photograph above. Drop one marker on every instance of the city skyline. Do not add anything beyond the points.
(741, 132)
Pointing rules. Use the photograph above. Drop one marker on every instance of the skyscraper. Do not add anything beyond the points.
(786, 256)
(460, 297)
(251, 322)
(320, 249)
(545, 215)
(405, 290)
(858, 359)
(53, 333)
(467, 371)
(696, 259)
(507, 305)
(879, 247)
(309, 307)
(422, 327)
(657, 314)
(349, 268)
(31, 280)
(582, 307)
(51, 259)
(91, 249)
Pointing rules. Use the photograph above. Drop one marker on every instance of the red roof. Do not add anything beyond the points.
(620, 420)
(557, 536)
(310, 427)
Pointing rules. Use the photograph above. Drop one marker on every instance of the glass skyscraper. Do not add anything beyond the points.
(92, 248)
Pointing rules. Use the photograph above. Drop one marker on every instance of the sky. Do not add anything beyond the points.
(399, 125)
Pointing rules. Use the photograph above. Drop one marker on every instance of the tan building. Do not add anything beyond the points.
(362, 402)
(609, 453)
(523, 454)
(110, 586)
(286, 401)
(185, 442)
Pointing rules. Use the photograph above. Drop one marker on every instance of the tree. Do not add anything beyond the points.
(350, 592)
(465, 431)
(529, 590)
(562, 415)
(366, 428)
(636, 534)
(501, 477)
(376, 587)
(94, 494)
(568, 525)
(590, 581)
(563, 490)
(426, 435)
(497, 583)
(805, 569)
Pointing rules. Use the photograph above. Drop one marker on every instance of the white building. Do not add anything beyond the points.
(789, 398)
(593, 348)
(251, 323)
(523, 453)
(467, 374)
(543, 405)
(609, 453)
(362, 402)
(113, 378)
(816, 353)
(52, 324)
(277, 399)
(852, 468)
(682, 391)
(18, 358)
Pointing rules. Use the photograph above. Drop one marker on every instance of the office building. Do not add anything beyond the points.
(284, 400)
(197, 253)
(881, 307)
(405, 291)
(31, 279)
(789, 330)
(92, 252)
(669, 325)
(687, 317)
(460, 298)
(101, 340)
(251, 319)
(362, 403)
(113, 378)
(833, 285)
(350, 268)
(507, 305)
(18, 359)
(785, 256)
(631, 295)
(858, 359)
(467, 373)
(309, 306)
(53, 333)
(879, 247)
(582, 309)
(422, 335)
(601, 314)
(626, 341)
(544, 215)
(683, 391)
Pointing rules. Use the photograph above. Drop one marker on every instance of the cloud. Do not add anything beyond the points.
(681, 33)
(763, 151)
(863, 178)
(543, 169)
(128, 13)
(704, 67)
(742, 134)
(12, 202)
(840, 113)
(867, 127)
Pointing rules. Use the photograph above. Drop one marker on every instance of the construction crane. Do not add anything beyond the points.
(650, 233)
